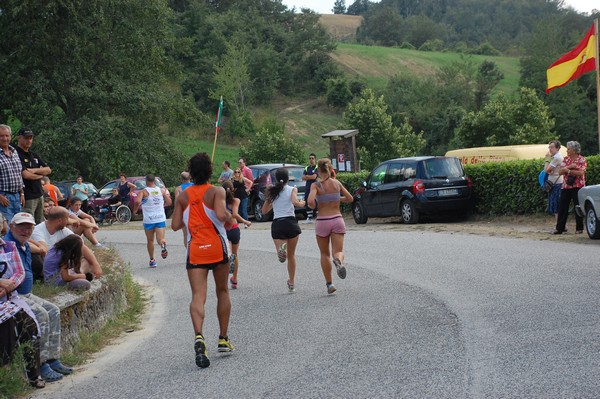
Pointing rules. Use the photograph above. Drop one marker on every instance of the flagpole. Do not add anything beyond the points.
(217, 127)
(212, 157)
(597, 80)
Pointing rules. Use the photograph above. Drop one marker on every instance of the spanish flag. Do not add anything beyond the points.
(580, 60)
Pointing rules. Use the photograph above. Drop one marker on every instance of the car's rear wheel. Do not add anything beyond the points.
(408, 212)
(358, 213)
(591, 223)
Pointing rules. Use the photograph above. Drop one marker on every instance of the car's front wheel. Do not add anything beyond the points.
(358, 213)
(591, 223)
(408, 212)
(258, 215)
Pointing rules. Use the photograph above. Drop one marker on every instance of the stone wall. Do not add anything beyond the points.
(88, 311)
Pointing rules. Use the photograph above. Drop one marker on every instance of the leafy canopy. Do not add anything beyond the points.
(378, 139)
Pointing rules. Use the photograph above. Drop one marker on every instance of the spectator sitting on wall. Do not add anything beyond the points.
(55, 229)
(87, 225)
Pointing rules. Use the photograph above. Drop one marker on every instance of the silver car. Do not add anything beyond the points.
(589, 203)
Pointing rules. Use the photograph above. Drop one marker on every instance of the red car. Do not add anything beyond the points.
(101, 198)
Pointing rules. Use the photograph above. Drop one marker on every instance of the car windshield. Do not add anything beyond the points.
(295, 174)
(443, 168)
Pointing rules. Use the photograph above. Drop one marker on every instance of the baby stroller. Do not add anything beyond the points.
(112, 213)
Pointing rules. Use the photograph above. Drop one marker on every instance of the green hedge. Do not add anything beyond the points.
(512, 188)
(501, 188)
(351, 181)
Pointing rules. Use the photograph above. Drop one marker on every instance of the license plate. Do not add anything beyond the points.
(447, 192)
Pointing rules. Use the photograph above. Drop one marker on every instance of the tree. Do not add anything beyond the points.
(507, 121)
(339, 7)
(488, 76)
(95, 78)
(271, 145)
(359, 7)
(232, 78)
(384, 26)
(378, 138)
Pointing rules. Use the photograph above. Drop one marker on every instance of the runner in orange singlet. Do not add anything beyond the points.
(201, 210)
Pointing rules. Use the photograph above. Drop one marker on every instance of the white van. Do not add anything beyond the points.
(469, 156)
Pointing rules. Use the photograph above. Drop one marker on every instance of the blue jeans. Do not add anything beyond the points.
(14, 205)
(243, 210)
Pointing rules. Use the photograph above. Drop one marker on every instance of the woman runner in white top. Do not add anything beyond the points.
(285, 230)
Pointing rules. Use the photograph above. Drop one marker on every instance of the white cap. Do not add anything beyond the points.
(22, 217)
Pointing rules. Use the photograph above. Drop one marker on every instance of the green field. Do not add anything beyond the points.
(378, 64)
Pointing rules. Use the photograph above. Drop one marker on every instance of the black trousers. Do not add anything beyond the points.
(566, 196)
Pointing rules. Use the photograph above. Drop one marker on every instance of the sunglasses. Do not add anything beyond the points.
(237, 171)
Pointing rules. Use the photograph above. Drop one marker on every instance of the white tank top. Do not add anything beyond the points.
(153, 206)
(282, 206)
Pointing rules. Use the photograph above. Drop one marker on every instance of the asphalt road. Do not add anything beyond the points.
(420, 315)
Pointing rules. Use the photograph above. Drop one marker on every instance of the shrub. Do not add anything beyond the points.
(512, 188)
(338, 92)
(432, 45)
(271, 145)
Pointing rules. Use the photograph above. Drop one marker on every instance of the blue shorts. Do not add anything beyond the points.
(152, 226)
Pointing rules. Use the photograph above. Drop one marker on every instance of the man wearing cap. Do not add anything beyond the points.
(46, 313)
(11, 181)
(34, 170)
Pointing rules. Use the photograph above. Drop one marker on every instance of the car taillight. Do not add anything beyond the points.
(469, 182)
(418, 187)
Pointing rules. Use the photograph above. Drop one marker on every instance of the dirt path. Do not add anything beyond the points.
(536, 227)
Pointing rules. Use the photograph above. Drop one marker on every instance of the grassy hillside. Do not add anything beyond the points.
(377, 64)
(306, 119)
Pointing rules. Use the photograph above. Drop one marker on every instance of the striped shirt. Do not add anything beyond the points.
(10, 171)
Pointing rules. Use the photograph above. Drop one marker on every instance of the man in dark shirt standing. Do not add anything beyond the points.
(34, 169)
(310, 176)
(11, 182)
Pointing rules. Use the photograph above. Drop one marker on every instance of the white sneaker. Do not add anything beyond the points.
(308, 221)
(100, 245)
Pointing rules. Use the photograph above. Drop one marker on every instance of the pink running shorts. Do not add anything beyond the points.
(327, 225)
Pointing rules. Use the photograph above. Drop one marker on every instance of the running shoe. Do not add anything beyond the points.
(224, 345)
(282, 253)
(290, 287)
(330, 289)
(232, 264)
(163, 251)
(201, 352)
(339, 266)
(233, 283)
(152, 263)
